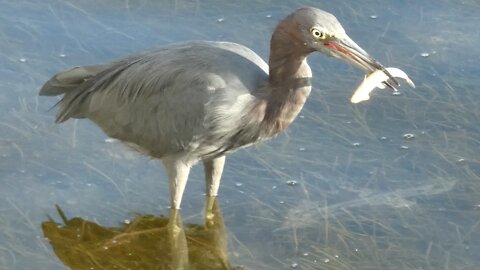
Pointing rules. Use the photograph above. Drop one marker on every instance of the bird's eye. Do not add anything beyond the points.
(317, 33)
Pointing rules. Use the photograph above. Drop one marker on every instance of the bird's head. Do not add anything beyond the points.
(312, 29)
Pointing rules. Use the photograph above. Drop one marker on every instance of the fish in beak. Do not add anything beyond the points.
(347, 50)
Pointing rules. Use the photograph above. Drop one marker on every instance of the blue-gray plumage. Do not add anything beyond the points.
(198, 101)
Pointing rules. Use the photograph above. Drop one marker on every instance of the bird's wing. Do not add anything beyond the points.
(168, 97)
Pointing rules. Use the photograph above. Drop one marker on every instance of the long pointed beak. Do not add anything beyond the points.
(346, 49)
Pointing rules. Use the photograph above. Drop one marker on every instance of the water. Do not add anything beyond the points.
(392, 183)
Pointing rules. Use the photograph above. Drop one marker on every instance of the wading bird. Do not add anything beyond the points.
(201, 100)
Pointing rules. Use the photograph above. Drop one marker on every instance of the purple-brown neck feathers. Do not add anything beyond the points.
(289, 79)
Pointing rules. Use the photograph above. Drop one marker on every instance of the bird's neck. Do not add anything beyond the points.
(287, 57)
(288, 87)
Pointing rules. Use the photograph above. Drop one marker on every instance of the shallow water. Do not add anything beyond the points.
(363, 195)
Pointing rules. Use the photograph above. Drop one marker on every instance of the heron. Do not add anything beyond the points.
(198, 101)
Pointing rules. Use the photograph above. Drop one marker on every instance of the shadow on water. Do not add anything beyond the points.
(146, 242)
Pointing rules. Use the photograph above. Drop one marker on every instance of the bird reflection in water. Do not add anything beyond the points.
(147, 242)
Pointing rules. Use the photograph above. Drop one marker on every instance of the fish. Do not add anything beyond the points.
(376, 79)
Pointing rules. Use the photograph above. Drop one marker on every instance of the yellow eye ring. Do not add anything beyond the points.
(317, 33)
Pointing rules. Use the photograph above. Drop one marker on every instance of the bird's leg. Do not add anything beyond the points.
(209, 203)
(177, 172)
(213, 173)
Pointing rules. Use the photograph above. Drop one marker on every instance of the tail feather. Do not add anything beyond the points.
(79, 83)
(69, 79)
(72, 82)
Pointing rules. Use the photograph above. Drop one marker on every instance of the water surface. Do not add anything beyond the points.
(343, 188)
